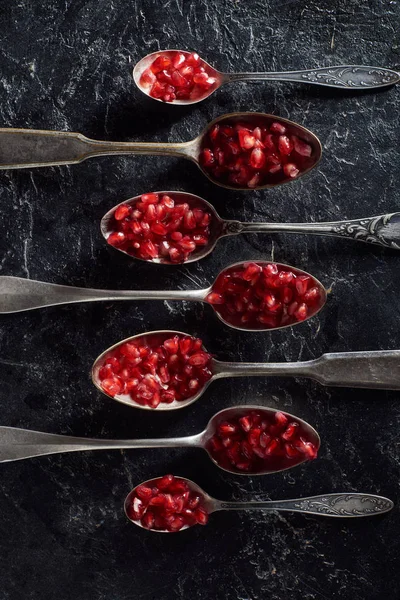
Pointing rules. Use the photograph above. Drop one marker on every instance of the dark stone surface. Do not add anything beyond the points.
(66, 64)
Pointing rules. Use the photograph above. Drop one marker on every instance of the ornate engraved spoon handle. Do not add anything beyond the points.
(356, 77)
(383, 230)
(329, 505)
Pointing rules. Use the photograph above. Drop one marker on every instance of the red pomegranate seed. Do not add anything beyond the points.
(290, 170)
(257, 158)
(214, 298)
(172, 371)
(262, 446)
(117, 238)
(121, 212)
(278, 128)
(144, 493)
(301, 147)
(285, 146)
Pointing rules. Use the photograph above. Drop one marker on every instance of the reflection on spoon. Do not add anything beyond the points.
(170, 504)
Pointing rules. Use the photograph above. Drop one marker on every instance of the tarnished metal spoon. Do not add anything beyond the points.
(371, 369)
(27, 148)
(382, 230)
(354, 77)
(17, 444)
(344, 504)
(18, 294)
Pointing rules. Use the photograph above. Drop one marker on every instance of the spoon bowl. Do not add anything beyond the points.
(257, 119)
(146, 62)
(217, 227)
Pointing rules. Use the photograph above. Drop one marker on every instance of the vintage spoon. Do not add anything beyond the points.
(345, 504)
(355, 77)
(18, 294)
(382, 230)
(372, 369)
(17, 444)
(27, 148)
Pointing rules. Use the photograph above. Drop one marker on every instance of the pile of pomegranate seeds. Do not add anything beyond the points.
(168, 505)
(257, 442)
(265, 296)
(173, 370)
(159, 227)
(178, 76)
(241, 155)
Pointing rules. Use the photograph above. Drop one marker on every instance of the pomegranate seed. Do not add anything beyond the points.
(312, 295)
(281, 419)
(301, 147)
(112, 387)
(302, 312)
(290, 170)
(144, 493)
(257, 158)
(245, 423)
(278, 128)
(147, 78)
(116, 238)
(214, 298)
(290, 431)
(174, 370)
(138, 508)
(121, 212)
(285, 146)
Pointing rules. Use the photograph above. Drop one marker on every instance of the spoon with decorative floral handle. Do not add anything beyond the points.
(382, 230)
(145, 74)
(27, 148)
(170, 504)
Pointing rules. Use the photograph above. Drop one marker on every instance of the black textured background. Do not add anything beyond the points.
(66, 64)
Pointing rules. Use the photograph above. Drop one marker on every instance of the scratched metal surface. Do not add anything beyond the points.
(66, 65)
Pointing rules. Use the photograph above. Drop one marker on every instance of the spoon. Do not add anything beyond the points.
(27, 148)
(355, 77)
(17, 444)
(372, 369)
(18, 294)
(382, 230)
(345, 504)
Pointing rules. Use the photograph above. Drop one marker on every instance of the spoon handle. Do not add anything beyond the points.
(330, 505)
(16, 444)
(356, 77)
(18, 294)
(383, 230)
(27, 148)
(372, 369)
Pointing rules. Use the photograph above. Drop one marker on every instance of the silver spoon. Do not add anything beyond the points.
(382, 230)
(17, 444)
(372, 369)
(27, 148)
(345, 504)
(18, 294)
(355, 77)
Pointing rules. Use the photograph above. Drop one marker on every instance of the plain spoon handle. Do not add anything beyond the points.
(383, 230)
(330, 505)
(356, 77)
(26, 148)
(18, 294)
(373, 369)
(16, 444)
